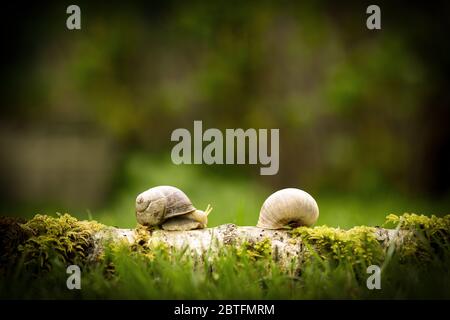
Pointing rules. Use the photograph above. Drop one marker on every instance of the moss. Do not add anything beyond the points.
(63, 238)
(428, 237)
(358, 246)
(255, 250)
(142, 244)
(431, 224)
(142, 237)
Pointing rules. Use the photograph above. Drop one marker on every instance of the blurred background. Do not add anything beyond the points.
(86, 116)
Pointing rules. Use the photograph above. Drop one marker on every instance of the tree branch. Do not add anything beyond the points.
(284, 246)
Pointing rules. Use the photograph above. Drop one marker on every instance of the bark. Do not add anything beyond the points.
(284, 246)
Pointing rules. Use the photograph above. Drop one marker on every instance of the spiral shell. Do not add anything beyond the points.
(158, 204)
(288, 208)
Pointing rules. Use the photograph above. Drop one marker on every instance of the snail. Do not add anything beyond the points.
(288, 208)
(170, 208)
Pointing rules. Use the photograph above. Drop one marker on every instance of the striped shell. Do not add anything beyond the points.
(288, 207)
(156, 205)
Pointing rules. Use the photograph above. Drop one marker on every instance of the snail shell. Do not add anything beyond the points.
(288, 208)
(169, 207)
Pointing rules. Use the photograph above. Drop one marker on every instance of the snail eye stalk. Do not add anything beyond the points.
(208, 209)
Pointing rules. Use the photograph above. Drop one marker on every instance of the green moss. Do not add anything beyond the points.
(142, 237)
(63, 238)
(428, 237)
(358, 246)
(431, 224)
(142, 244)
(255, 250)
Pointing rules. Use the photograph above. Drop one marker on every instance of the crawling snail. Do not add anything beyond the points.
(288, 208)
(170, 208)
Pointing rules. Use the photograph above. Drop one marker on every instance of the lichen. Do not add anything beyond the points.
(63, 238)
(358, 246)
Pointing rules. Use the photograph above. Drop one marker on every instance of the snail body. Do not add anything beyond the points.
(170, 208)
(288, 208)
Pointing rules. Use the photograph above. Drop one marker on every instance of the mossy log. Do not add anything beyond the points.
(72, 240)
(285, 246)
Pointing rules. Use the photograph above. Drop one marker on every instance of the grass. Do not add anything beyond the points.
(228, 276)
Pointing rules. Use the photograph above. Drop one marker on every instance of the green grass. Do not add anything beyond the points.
(228, 276)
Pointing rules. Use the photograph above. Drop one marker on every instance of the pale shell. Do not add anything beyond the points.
(158, 204)
(288, 207)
